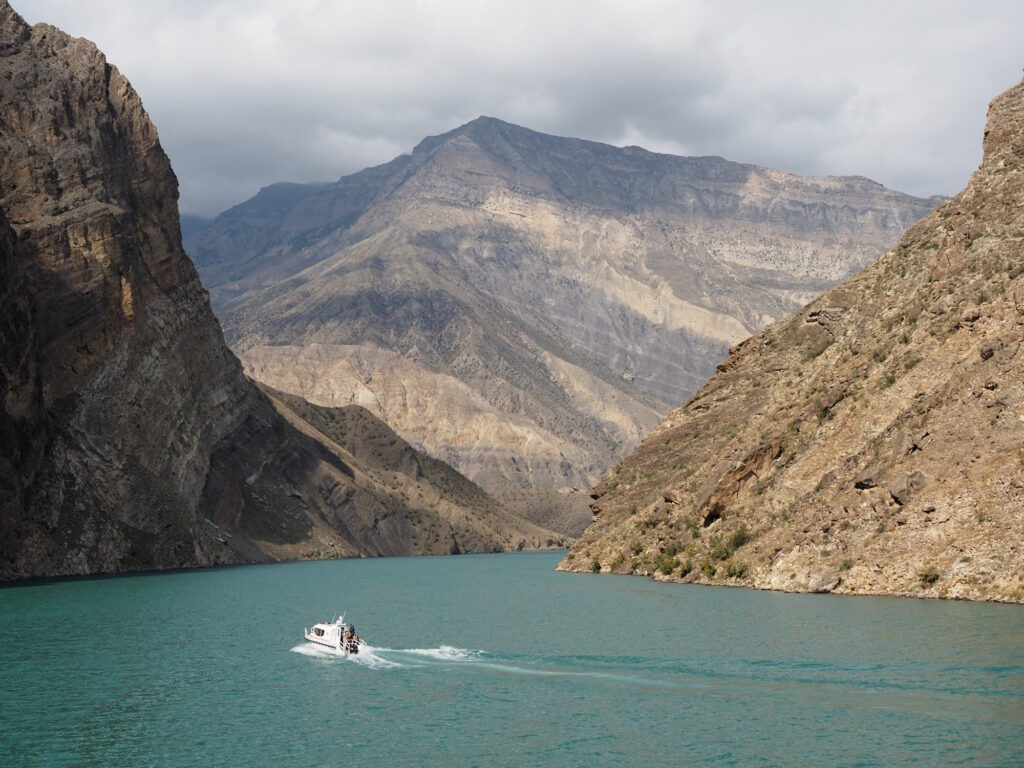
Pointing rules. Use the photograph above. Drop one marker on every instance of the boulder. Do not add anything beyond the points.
(904, 487)
(869, 478)
(672, 496)
(823, 581)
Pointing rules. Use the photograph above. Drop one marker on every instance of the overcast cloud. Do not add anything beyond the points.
(249, 92)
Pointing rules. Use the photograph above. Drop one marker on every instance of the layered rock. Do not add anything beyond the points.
(526, 306)
(871, 443)
(130, 437)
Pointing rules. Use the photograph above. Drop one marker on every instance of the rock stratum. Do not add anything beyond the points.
(872, 443)
(524, 306)
(129, 437)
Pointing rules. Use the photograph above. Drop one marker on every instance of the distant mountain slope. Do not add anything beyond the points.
(129, 437)
(871, 443)
(526, 306)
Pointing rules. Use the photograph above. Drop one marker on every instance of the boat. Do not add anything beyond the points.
(336, 635)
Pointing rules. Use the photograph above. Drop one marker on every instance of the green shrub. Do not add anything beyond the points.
(928, 575)
(595, 565)
(846, 565)
(720, 552)
(739, 537)
(686, 567)
(737, 570)
(666, 564)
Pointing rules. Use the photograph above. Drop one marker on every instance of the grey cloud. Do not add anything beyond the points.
(248, 93)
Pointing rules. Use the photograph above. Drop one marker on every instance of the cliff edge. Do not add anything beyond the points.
(129, 437)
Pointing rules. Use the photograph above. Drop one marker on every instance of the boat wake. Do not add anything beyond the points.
(615, 672)
(391, 658)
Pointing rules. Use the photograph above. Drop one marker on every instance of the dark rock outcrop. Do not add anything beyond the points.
(130, 437)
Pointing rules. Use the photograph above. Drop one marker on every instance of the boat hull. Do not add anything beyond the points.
(343, 648)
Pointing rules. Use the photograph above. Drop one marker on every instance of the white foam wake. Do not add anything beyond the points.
(446, 653)
(390, 658)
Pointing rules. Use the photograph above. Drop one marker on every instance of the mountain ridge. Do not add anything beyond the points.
(867, 444)
(532, 279)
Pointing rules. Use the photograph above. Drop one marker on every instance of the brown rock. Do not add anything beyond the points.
(129, 437)
(966, 450)
(869, 478)
(823, 581)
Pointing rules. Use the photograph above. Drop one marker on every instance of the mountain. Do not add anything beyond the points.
(524, 306)
(191, 223)
(129, 437)
(870, 443)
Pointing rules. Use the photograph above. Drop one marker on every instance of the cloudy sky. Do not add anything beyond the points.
(248, 92)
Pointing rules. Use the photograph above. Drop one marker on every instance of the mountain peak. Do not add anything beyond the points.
(541, 300)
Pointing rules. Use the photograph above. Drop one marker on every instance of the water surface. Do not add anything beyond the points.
(495, 660)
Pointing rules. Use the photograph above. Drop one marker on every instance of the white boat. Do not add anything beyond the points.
(336, 635)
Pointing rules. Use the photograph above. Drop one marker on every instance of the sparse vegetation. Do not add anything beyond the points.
(740, 537)
(737, 570)
(723, 550)
(928, 575)
(817, 350)
(666, 564)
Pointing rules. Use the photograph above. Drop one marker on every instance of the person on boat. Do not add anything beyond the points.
(351, 639)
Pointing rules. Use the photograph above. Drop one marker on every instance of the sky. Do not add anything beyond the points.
(245, 93)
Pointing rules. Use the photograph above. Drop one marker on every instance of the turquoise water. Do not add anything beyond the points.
(497, 660)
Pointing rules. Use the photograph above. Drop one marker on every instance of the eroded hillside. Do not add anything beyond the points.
(871, 443)
(525, 306)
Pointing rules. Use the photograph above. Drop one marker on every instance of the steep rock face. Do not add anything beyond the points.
(871, 443)
(522, 305)
(131, 438)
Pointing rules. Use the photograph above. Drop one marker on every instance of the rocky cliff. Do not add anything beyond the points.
(527, 306)
(129, 437)
(871, 443)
